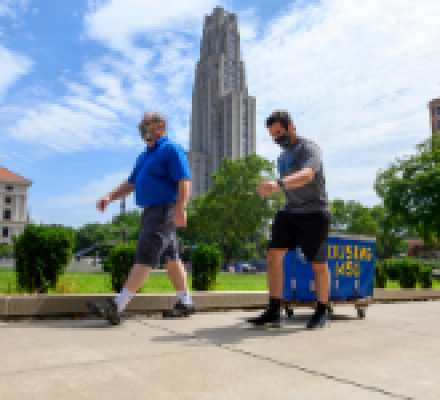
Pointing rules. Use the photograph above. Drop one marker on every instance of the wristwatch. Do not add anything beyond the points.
(280, 183)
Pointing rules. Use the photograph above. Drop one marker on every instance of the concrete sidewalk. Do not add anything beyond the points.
(393, 353)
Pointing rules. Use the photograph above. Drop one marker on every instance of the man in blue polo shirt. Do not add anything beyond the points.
(161, 180)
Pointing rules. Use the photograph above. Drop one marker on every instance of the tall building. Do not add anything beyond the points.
(13, 202)
(434, 113)
(222, 123)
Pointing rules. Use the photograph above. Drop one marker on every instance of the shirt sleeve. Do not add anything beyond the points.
(178, 164)
(132, 177)
(311, 157)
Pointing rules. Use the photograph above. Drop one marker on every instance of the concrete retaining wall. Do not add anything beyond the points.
(75, 304)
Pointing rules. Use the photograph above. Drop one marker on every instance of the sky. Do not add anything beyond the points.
(76, 78)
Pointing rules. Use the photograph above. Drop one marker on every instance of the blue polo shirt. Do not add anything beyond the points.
(157, 173)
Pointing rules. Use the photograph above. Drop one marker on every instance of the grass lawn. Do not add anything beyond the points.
(99, 282)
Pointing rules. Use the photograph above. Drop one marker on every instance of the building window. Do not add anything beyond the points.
(438, 126)
(438, 110)
(238, 79)
(9, 188)
(232, 70)
(5, 232)
(225, 76)
(7, 215)
(198, 176)
(8, 200)
(232, 46)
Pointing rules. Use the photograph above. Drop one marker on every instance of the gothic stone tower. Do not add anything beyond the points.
(223, 117)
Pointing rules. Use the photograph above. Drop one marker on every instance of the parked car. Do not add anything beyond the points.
(248, 269)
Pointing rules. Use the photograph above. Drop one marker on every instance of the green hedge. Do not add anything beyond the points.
(41, 256)
(407, 271)
(206, 261)
(381, 274)
(119, 263)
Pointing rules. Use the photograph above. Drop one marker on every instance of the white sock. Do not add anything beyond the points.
(184, 297)
(123, 299)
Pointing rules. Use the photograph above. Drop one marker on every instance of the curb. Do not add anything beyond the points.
(74, 305)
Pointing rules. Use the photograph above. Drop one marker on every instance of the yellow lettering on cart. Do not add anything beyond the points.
(333, 251)
(363, 253)
(349, 252)
(369, 253)
(356, 270)
(356, 256)
(339, 269)
(349, 268)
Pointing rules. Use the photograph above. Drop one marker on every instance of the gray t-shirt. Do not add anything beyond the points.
(311, 197)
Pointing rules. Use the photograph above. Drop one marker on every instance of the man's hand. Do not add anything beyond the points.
(102, 203)
(266, 189)
(180, 217)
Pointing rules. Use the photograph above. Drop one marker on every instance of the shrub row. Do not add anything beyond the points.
(407, 272)
(43, 253)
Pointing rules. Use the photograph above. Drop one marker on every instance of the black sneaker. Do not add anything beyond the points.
(269, 317)
(179, 310)
(107, 310)
(320, 319)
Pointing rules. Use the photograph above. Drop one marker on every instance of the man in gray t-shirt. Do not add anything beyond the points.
(304, 221)
(312, 196)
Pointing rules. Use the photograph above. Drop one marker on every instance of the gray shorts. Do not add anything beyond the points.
(157, 242)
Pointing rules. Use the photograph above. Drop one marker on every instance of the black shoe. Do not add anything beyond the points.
(320, 319)
(107, 310)
(179, 310)
(269, 317)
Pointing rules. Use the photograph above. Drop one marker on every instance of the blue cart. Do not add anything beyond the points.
(351, 260)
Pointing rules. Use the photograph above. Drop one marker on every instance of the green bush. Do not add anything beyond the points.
(41, 256)
(206, 261)
(381, 275)
(119, 263)
(425, 277)
(394, 268)
(5, 249)
(409, 273)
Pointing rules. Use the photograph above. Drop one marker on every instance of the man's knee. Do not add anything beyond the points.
(319, 267)
(275, 255)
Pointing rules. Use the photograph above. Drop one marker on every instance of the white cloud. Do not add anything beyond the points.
(355, 76)
(142, 17)
(14, 65)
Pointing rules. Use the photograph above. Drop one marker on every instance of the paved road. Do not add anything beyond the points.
(393, 353)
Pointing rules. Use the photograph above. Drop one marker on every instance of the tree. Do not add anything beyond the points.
(410, 189)
(352, 217)
(230, 213)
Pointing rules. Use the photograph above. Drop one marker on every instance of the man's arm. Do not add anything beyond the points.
(183, 194)
(299, 178)
(122, 191)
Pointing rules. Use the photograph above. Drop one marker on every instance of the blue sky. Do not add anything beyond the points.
(76, 77)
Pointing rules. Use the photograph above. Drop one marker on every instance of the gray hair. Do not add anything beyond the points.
(158, 118)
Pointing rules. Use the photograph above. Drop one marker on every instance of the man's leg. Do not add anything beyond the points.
(275, 276)
(112, 308)
(322, 279)
(275, 272)
(137, 277)
(177, 274)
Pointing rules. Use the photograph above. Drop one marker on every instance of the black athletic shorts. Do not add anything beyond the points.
(157, 242)
(309, 231)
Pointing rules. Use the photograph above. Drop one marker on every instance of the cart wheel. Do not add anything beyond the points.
(289, 312)
(361, 312)
(330, 310)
